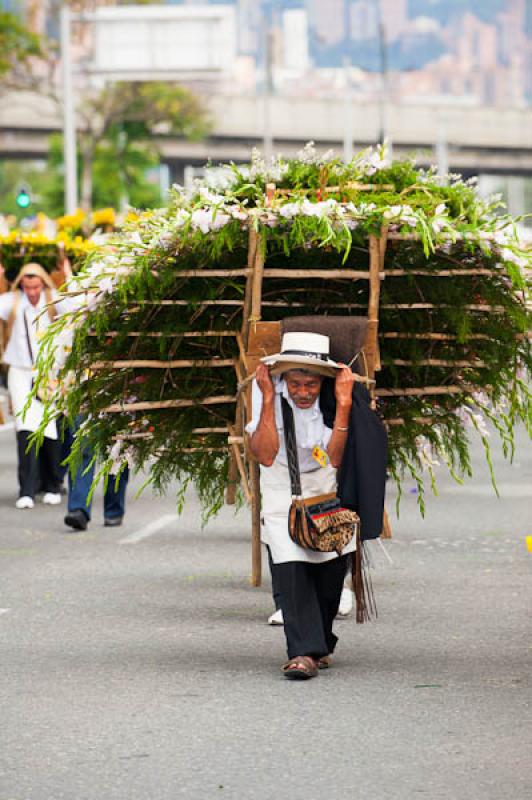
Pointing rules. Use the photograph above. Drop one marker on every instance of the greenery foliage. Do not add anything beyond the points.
(137, 303)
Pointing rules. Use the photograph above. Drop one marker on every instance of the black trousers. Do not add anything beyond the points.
(309, 597)
(38, 471)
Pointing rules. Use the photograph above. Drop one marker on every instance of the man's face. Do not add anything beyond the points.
(303, 388)
(32, 288)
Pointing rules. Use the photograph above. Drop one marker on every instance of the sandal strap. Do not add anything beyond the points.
(307, 662)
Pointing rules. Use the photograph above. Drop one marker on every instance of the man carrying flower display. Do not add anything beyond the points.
(28, 310)
(310, 583)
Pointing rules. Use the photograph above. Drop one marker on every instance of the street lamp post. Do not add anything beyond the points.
(69, 124)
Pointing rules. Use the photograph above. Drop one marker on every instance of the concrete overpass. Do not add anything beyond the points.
(480, 139)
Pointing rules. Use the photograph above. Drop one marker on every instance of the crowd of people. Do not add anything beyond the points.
(26, 311)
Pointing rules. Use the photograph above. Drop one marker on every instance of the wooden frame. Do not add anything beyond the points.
(257, 338)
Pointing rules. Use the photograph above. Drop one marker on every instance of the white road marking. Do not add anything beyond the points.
(506, 490)
(149, 530)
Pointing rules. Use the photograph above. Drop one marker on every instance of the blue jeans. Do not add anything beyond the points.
(114, 502)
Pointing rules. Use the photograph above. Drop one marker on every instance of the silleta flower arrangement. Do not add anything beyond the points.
(152, 357)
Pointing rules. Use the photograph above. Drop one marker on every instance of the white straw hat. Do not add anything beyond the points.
(303, 350)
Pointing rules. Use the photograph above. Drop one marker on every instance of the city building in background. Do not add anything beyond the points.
(455, 68)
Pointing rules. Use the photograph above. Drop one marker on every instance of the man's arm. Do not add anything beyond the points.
(343, 390)
(264, 443)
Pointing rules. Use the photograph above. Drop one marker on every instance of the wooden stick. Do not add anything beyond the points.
(418, 420)
(242, 471)
(444, 337)
(149, 434)
(212, 362)
(422, 390)
(386, 527)
(371, 345)
(185, 335)
(433, 362)
(181, 403)
(317, 273)
(186, 302)
(212, 273)
(256, 289)
(419, 306)
(361, 187)
(440, 273)
(406, 237)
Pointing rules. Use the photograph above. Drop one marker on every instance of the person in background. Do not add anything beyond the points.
(28, 310)
(79, 507)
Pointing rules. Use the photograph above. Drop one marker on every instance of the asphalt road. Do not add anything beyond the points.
(136, 663)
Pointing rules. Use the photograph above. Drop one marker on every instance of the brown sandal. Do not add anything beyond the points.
(324, 662)
(300, 668)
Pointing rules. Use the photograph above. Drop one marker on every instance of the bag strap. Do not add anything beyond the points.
(30, 349)
(291, 447)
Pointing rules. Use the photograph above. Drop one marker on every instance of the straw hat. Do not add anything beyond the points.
(33, 270)
(302, 350)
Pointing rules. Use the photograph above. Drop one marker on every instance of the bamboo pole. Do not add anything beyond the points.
(433, 362)
(161, 404)
(242, 338)
(440, 273)
(423, 390)
(418, 420)
(212, 273)
(186, 302)
(386, 527)
(443, 337)
(372, 344)
(137, 363)
(326, 274)
(256, 288)
(174, 335)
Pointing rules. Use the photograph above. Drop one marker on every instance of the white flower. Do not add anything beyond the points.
(290, 210)
(202, 219)
(309, 154)
(322, 209)
(392, 211)
(237, 213)
(106, 284)
(426, 453)
(510, 255)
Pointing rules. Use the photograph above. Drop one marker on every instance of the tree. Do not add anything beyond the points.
(121, 120)
(18, 46)
(119, 174)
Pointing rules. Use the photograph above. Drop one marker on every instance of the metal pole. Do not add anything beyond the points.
(383, 94)
(442, 150)
(348, 112)
(69, 125)
(267, 140)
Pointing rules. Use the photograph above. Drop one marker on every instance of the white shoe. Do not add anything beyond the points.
(51, 499)
(346, 603)
(276, 618)
(24, 502)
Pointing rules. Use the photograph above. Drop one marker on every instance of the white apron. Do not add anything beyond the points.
(276, 499)
(19, 386)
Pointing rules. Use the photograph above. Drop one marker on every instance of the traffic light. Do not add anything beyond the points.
(23, 199)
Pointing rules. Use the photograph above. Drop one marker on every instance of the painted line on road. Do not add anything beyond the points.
(149, 530)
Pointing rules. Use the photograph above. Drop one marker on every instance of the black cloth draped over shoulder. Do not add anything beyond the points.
(362, 475)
